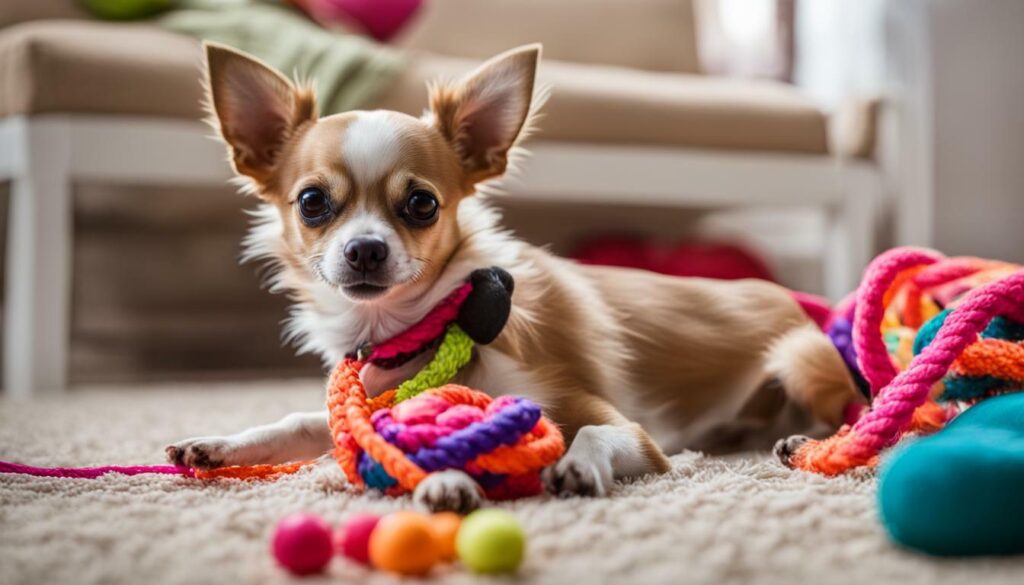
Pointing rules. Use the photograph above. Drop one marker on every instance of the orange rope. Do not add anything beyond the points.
(535, 451)
(992, 357)
(350, 422)
(839, 453)
(385, 400)
(251, 471)
(898, 282)
(928, 418)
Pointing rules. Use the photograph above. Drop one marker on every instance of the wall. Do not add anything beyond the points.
(979, 127)
(957, 76)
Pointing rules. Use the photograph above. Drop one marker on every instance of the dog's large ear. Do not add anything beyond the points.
(482, 115)
(256, 109)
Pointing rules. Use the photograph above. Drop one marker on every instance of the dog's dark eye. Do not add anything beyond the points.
(314, 206)
(420, 208)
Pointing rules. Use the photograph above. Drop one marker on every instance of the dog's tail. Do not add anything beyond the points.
(813, 374)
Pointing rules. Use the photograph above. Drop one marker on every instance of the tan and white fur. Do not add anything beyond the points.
(631, 364)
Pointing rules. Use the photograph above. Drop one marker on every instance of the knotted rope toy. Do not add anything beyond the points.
(930, 336)
(393, 441)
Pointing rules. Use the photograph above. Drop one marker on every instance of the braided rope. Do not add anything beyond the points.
(233, 472)
(992, 357)
(872, 354)
(512, 438)
(902, 398)
(427, 329)
(92, 472)
(458, 448)
(251, 471)
(455, 351)
(546, 446)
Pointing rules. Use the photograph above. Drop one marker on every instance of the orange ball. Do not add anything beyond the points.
(446, 526)
(404, 543)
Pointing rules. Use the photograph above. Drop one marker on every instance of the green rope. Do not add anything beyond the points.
(455, 351)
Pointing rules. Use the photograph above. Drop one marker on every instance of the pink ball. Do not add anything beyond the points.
(302, 544)
(353, 538)
(382, 20)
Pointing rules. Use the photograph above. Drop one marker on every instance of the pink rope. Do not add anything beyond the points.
(872, 355)
(431, 327)
(93, 472)
(414, 432)
(892, 409)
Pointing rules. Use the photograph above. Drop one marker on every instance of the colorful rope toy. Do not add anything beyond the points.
(928, 336)
(394, 441)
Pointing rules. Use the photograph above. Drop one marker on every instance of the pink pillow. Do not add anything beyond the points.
(381, 19)
(710, 260)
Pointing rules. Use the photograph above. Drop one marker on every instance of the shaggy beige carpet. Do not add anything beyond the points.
(711, 520)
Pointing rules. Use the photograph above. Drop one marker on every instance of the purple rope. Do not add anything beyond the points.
(92, 472)
(509, 418)
(841, 334)
(506, 427)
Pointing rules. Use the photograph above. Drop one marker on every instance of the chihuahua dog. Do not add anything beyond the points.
(372, 217)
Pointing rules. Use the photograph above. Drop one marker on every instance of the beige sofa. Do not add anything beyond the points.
(630, 119)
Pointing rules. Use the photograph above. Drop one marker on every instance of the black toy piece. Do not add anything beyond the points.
(485, 311)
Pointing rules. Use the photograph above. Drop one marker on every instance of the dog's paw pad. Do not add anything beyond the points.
(198, 453)
(578, 477)
(175, 455)
(448, 491)
(785, 448)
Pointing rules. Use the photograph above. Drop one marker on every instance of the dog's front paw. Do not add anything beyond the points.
(578, 477)
(785, 448)
(202, 453)
(448, 491)
(585, 470)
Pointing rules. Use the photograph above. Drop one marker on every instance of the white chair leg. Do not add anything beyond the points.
(851, 231)
(36, 319)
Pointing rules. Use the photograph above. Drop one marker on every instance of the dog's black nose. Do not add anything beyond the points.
(366, 254)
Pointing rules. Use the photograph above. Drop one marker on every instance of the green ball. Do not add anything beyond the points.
(491, 541)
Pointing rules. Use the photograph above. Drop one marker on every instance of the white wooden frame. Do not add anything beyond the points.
(44, 156)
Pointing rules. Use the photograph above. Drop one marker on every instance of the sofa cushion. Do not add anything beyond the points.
(658, 35)
(627, 106)
(85, 66)
(91, 67)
